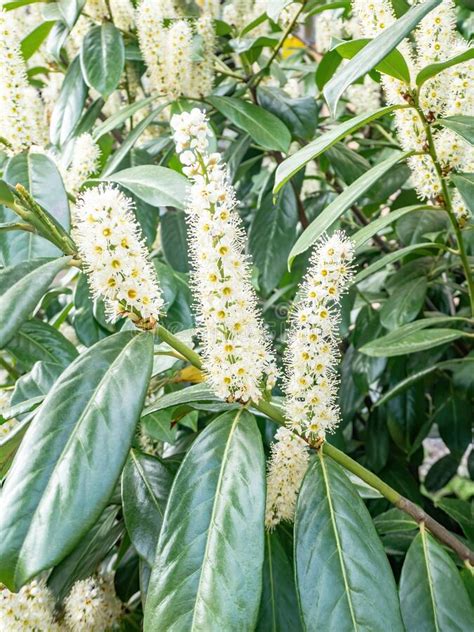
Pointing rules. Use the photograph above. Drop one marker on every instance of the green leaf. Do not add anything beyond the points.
(393, 64)
(415, 377)
(103, 58)
(404, 304)
(38, 174)
(195, 393)
(279, 605)
(343, 575)
(130, 141)
(207, 576)
(375, 52)
(299, 115)
(121, 116)
(146, 484)
(454, 423)
(82, 562)
(298, 160)
(343, 201)
(433, 69)
(271, 234)
(69, 104)
(264, 128)
(31, 43)
(158, 186)
(21, 288)
(464, 183)
(58, 485)
(70, 10)
(364, 234)
(174, 240)
(461, 124)
(37, 341)
(432, 595)
(461, 511)
(441, 472)
(396, 344)
(386, 260)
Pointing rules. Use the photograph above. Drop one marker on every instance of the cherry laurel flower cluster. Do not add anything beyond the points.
(286, 469)
(32, 608)
(92, 605)
(167, 43)
(448, 93)
(312, 354)
(115, 257)
(238, 361)
(20, 104)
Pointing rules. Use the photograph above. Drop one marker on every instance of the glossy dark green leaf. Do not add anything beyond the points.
(454, 422)
(299, 115)
(174, 240)
(158, 186)
(279, 605)
(464, 183)
(299, 159)
(462, 511)
(432, 595)
(82, 562)
(36, 341)
(195, 393)
(461, 124)
(87, 328)
(103, 58)
(264, 128)
(21, 288)
(146, 484)
(343, 201)
(404, 304)
(397, 343)
(272, 233)
(69, 104)
(72, 455)
(433, 69)
(206, 575)
(375, 52)
(116, 120)
(343, 575)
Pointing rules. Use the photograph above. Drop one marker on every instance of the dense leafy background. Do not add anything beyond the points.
(407, 382)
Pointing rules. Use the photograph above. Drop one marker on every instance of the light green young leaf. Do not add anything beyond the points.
(433, 69)
(298, 160)
(393, 64)
(374, 52)
(350, 195)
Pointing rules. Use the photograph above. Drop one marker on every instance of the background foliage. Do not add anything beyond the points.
(105, 420)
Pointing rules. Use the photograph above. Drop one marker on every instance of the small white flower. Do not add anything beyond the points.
(115, 258)
(238, 362)
(20, 104)
(29, 610)
(312, 355)
(92, 605)
(123, 14)
(286, 469)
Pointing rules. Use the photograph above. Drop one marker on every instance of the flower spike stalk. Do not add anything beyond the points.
(238, 362)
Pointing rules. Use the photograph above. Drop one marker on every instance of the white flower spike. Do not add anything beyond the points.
(115, 257)
(236, 347)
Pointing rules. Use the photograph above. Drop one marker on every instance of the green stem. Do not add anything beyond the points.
(274, 412)
(12, 372)
(255, 79)
(447, 204)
